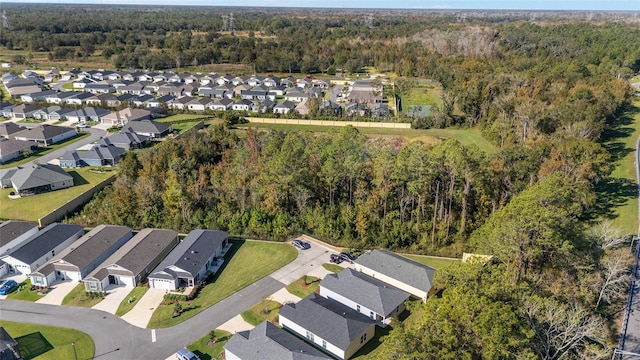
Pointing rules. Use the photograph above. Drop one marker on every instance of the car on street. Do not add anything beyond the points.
(335, 258)
(8, 287)
(302, 245)
(347, 257)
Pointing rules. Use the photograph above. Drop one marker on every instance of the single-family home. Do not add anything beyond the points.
(284, 107)
(199, 104)
(30, 179)
(142, 100)
(181, 103)
(327, 324)
(6, 109)
(6, 77)
(133, 89)
(296, 96)
(99, 88)
(36, 96)
(17, 87)
(131, 264)
(25, 111)
(45, 134)
(55, 112)
(9, 347)
(242, 105)
(41, 247)
(71, 75)
(134, 76)
(87, 114)
(99, 155)
(174, 89)
(125, 140)
(11, 148)
(81, 83)
(199, 253)
(398, 271)
(158, 102)
(109, 100)
(7, 129)
(149, 128)
(271, 81)
(254, 94)
(14, 233)
(82, 256)
(267, 341)
(124, 116)
(221, 104)
(364, 294)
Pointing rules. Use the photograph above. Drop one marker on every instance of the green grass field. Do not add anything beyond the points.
(205, 352)
(39, 342)
(24, 292)
(246, 263)
(425, 93)
(181, 117)
(43, 151)
(433, 261)
(304, 286)
(79, 297)
(131, 300)
(332, 267)
(33, 207)
(264, 310)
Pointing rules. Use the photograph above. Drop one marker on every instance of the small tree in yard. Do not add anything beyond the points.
(305, 280)
(213, 339)
(177, 309)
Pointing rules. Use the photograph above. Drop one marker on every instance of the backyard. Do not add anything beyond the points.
(246, 263)
(433, 261)
(39, 342)
(43, 151)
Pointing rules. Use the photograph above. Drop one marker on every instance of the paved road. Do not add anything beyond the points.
(117, 339)
(96, 134)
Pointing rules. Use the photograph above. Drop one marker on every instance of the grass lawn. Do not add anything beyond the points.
(180, 117)
(36, 206)
(68, 86)
(79, 297)
(43, 151)
(39, 342)
(264, 310)
(205, 352)
(425, 93)
(245, 263)
(304, 286)
(430, 136)
(131, 300)
(24, 292)
(183, 126)
(433, 261)
(332, 267)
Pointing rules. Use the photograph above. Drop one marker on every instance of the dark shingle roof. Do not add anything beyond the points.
(146, 126)
(45, 241)
(399, 268)
(11, 229)
(34, 175)
(365, 290)
(10, 146)
(94, 243)
(194, 251)
(44, 132)
(9, 128)
(268, 342)
(122, 139)
(328, 319)
(151, 243)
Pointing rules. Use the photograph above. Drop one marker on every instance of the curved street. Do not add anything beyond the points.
(96, 134)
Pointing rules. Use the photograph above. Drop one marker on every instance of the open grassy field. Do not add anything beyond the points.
(24, 292)
(430, 136)
(433, 261)
(40, 59)
(43, 151)
(39, 342)
(131, 300)
(426, 92)
(245, 263)
(36, 206)
(205, 352)
(304, 286)
(264, 310)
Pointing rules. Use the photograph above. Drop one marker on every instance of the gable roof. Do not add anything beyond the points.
(35, 175)
(399, 268)
(194, 251)
(45, 241)
(94, 243)
(7, 343)
(123, 138)
(365, 290)
(138, 252)
(12, 229)
(328, 319)
(268, 342)
(10, 146)
(44, 132)
(9, 128)
(146, 126)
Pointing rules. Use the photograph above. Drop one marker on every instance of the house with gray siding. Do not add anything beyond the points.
(45, 134)
(99, 155)
(34, 178)
(125, 140)
(11, 149)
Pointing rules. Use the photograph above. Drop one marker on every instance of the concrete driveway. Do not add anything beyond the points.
(141, 313)
(115, 295)
(59, 290)
(235, 325)
(309, 262)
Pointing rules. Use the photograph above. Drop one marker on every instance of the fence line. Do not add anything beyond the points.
(372, 124)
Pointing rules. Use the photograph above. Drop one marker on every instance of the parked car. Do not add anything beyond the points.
(185, 354)
(347, 257)
(8, 287)
(302, 245)
(335, 258)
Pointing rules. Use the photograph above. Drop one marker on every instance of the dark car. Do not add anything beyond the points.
(335, 258)
(8, 287)
(347, 257)
(300, 244)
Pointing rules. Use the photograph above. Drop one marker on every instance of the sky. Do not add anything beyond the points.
(614, 5)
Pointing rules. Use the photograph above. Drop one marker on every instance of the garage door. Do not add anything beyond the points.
(126, 280)
(161, 284)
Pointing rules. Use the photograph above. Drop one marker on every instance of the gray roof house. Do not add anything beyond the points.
(24, 111)
(269, 342)
(365, 294)
(150, 128)
(41, 247)
(99, 155)
(328, 325)
(13, 233)
(131, 264)
(7, 129)
(125, 140)
(88, 114)
(9, 348)
(199, 253)
(284, 107)
(82, 256)
(45, 134)
(33, 179)
(398, 271)
(11, 148)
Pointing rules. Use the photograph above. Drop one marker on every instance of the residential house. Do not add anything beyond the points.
(55, 113)
(266, 342)
(224, 79)
(189, 89)
(125, 140)
(238, 89)
(303, 108)
(81, 83)
(150, 128)
(255, 80)
(11, 149)
(9, 347)
(7, 129)
(134, 76)
(327, 324)
(142, 100)
(45, 134)
(14, 233)
(99, 88)
(71, 75)
(33, 179)
(158, 102)
(6, 77)
(25, 111)
(133, 89)
(109, 100)
(200, 104)
(398, 271)
(171, 89)
(124, 116)
(36, 96)
(242, 105)
(84, 98)
(222, 104)
(17, 87)
(88, 114)
(131, 264)
(271, 81)
(99, 155)
(82, 256)
(41, 247)
(254, 94)
(199, 253)
(6, 109)
(284, 107)
(320, 84)
(266, 106)
(364, 294)
(296, 96)
(364, 97)
(181, 103)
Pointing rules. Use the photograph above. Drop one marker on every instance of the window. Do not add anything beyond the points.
(358, 308)
(324, 344)
(371, 314)
(363, 338)
(53, 253)
(93, 286)
(309, 335)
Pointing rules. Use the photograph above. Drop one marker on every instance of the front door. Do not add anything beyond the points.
(113, 280)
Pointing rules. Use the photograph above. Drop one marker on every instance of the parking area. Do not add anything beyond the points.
(115, 295)
(57, 293)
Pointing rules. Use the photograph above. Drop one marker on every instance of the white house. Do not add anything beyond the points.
(14, 233)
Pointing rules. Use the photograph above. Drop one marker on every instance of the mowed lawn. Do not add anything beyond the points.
(39, 342)
(43, 151)
(433, 261)
(205, 351)
(36, 206)
(245, 263)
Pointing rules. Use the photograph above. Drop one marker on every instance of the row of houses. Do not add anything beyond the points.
(110, 255)
(341, 317)
(15, 139)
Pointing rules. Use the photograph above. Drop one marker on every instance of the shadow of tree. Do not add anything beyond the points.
(33, 345)
(612, 193)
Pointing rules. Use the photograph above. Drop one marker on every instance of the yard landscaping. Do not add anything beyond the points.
(79, 297)
(24, 292)
(131, 300)
(264, 310)
(43, 151)
(332, 267)
(433, 261)
(205, 351)
(246, 262)
(39, 342)
(304, 286)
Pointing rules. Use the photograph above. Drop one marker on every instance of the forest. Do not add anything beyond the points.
(549, 94)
